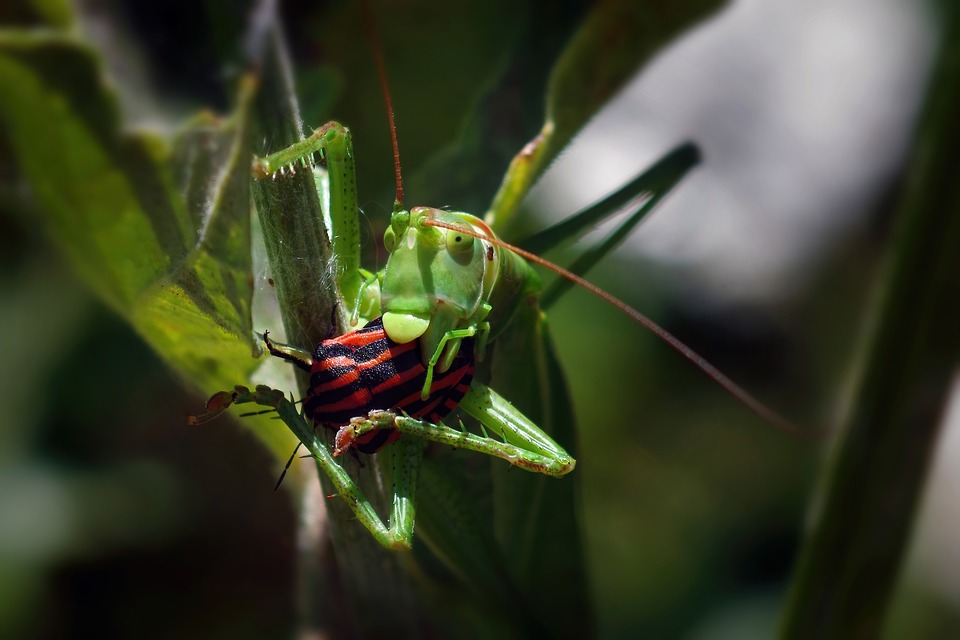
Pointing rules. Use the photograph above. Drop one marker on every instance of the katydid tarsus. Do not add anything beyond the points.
(449, 286)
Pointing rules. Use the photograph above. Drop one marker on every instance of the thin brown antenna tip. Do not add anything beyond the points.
(373, 35)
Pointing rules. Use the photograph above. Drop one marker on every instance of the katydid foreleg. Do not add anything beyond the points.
(524, 445)
(333, 143)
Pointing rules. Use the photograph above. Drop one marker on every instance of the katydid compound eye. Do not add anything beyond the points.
(458, 243)
(389, 239)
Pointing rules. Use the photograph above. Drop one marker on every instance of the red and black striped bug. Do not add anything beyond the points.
(364, 370)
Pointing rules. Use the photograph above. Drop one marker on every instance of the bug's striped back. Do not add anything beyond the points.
(364, 370)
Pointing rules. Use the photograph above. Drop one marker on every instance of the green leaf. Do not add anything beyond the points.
(178, 269)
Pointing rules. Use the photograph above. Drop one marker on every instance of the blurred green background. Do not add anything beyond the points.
(117, 520)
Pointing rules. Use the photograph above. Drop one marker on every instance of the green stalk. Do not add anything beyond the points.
(300, 258)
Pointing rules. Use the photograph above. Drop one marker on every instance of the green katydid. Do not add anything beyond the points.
(448, 279)
(450, 285)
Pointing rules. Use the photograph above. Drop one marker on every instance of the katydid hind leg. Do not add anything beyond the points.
(530, 449)
(556, 465)
(499, 415)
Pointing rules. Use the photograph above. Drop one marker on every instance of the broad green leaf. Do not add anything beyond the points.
(178, 268)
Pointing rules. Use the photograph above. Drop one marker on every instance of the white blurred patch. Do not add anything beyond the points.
(934, 558)
(801, 109)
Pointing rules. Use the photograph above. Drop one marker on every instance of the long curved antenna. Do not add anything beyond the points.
(374, 37)
(731, 387)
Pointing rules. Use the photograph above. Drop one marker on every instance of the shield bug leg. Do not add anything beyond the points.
(302, 358)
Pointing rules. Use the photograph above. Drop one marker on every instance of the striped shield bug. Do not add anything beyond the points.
(365, 370)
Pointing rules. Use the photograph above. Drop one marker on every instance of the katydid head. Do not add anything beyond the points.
(436, 279)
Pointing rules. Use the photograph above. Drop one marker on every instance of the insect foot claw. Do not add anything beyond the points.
(217, 404)
(349, 435)
(265, 396)
(345, 439)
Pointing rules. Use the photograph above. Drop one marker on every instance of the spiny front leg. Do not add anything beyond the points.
(299, 153)
(334, 143)
(524, 445)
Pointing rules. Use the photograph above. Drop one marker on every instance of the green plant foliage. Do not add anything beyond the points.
(161, 231)
(160, 228)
